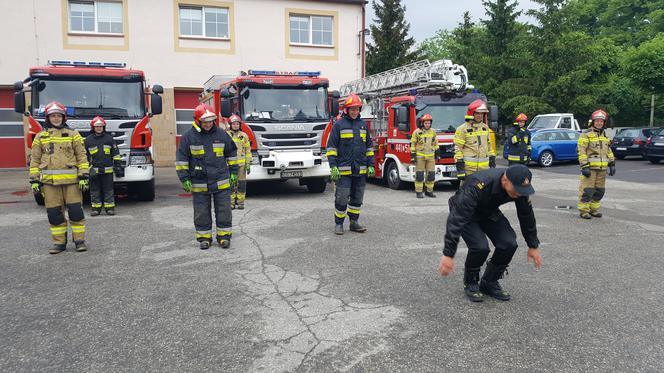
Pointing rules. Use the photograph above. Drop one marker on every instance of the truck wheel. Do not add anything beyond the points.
(39, 199)
(654, 160)
(144, 190)
(316, 185)
(546, 159)
(392, 177)
(455, 184)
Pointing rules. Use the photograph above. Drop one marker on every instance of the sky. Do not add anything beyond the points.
(428, 16)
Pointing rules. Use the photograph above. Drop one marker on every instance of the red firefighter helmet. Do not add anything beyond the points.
(204, 113)
(97, 121)
(521, 118)
(424, 118)
(234, 118)
(599, 114)
(477, 106)
(352, 101)
(55, 108)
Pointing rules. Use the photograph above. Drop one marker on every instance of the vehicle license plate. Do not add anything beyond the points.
(621, 148)
(291, 174)
(450, 168)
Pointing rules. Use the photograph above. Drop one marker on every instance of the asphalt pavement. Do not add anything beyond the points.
(291, 296)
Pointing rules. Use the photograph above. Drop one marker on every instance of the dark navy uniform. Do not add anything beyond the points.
(518, 145)
(103, 155)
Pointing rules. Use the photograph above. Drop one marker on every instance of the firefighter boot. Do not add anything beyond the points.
(204, 245)
(225, 242)
(357, 227)
(420, 195)
(471, 287)
(57, 249)
(585, 215)
(430, 194)
(95, 212)
(489, 284)
(596, 214)
(80, 246)
(339, 229)
(110, 211)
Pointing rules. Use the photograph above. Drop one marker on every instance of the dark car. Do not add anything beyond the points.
(631, 141)
(655, 146)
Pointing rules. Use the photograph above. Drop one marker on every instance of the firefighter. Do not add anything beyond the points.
(59, 170)
(475, 214)
(104, 158)
(472, 142)
(241, 139)
(595, 157)
(206, 164)
(350, 154)
(519, 145)
(423, 144)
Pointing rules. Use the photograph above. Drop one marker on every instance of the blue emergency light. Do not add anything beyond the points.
(286, 73)
(86, 64)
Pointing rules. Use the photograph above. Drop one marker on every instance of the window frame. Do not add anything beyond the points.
(96, 18)
(202, 9)
(310, 29)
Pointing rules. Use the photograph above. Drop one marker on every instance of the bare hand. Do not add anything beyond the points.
(446, 266)
(535, 257)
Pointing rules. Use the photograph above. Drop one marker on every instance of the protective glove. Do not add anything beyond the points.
(612, 168)
(334, 174)
(186, 185)
(492, 162)
(233, 178)
(247, 168)
(371, 171)
(36, 188)
(413, 158)
(461, 170)
(84, 184)
(585, 171)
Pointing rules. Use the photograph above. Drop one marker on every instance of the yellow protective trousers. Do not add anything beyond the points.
(59, 198)
(591, 191)
(239, 191)
(425, 173)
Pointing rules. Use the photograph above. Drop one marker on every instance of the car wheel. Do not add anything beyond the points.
(654, 160)
(546, 159)
(392, 177)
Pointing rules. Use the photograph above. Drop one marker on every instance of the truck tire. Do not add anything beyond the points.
(392, 176)
(144, 190)
(654, 160)
(455, 184)
(39, 198)
(317, 185)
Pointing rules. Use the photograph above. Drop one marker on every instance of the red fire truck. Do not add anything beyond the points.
(88, 89)
(395, 99)
(287, 116)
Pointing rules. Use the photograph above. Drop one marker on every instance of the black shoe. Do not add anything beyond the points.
(204, 245)
(240, 207)
(80, 246)
(110, 212)
(95, 212)
(471, 287)
(596, 214)
(232, 207)
(57, 249)
(420, 195)
(585, 215)
(489, 284)
(357, 227)
(339, 229)
(225, 243)
(430, 194)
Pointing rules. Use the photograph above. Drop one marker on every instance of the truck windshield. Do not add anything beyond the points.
(446, 118)
(543, 122)
(285, 104)
(86, 99)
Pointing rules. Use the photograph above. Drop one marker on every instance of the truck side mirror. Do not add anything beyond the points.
(226, 109)
(334, 109)
(157, 89)
(493, 117)
(225, 93)
(19, 102)
(155, 104)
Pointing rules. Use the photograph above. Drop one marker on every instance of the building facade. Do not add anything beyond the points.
(179, 44)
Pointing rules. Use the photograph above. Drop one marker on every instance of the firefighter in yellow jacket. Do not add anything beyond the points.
(423, 145)
(472, 142)
(595, 158)
(241, 140)
(59, 169)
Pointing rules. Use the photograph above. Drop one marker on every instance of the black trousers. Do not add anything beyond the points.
(101, 191)
(222, 214)
(498, 229)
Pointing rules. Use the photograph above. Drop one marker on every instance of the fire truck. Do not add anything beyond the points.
(88, 89)
(395, 99)
(287, 116)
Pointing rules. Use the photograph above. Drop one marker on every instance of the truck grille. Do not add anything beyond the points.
(445, 151)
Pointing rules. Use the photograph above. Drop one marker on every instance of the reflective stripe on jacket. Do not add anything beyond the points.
(594, 150)
(472, 145)
(102, 151)
(350, 147)
(518, 144)
(424, 143)
(243, 145)
(58, 156)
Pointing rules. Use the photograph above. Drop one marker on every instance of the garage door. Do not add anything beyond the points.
(185, 102)
(12, 150)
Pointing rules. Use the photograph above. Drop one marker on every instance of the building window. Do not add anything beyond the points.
(183, 119)
(103, 17)
(204, 22)
(311, 30)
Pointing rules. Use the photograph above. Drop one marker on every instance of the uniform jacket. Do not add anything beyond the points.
(350, 147)
(102, 152)
(58, 156)
(472, 145)
(519, 144)
(243, 145)
(479, 199)
(424, 143)
(206, 158)
(594, 150)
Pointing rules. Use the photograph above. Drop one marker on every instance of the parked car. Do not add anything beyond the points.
(631, 142)
(552, 145)
(554, 121)
(654, 149)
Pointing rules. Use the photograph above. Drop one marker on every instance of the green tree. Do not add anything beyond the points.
(645, 64)
(391, 46)
(438, 47)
